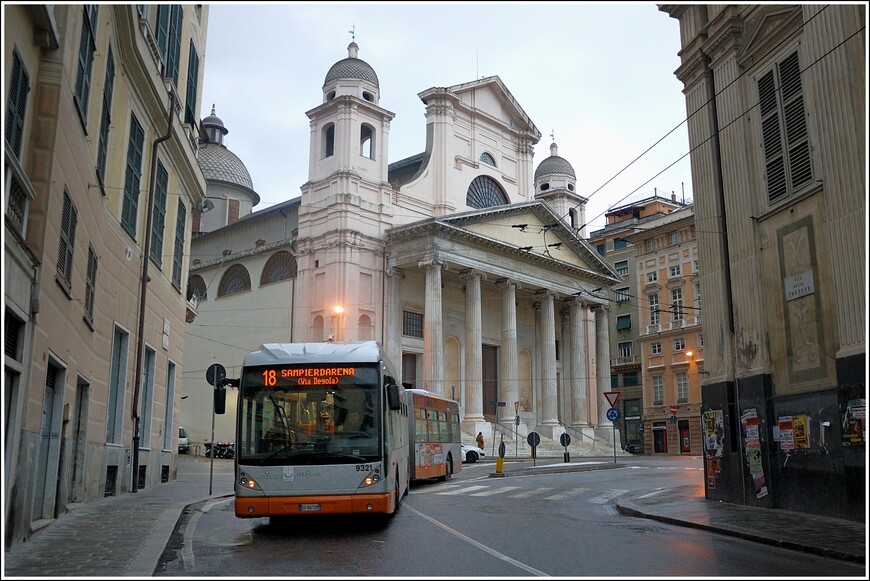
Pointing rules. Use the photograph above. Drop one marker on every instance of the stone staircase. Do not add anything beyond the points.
(583, 445)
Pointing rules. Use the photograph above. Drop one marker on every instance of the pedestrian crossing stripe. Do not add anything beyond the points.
(501, 490)
(482, 490)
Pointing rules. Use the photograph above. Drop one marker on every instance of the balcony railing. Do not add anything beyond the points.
(624, 360)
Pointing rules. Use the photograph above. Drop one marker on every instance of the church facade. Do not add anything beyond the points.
(465, 261)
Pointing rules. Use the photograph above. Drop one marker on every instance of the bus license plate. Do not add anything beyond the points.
(309, 507)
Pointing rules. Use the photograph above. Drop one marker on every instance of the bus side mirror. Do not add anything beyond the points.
(393, 401)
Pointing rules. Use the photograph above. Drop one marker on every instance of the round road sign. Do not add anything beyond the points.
(533, 439)
(215, 373)
(613, 414)
(565, 439)
(501, 449)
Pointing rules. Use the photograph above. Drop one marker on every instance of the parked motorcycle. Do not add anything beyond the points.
(221, 449)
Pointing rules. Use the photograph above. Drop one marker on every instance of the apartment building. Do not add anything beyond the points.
(777, 96)
(670, 335)
(100, 174)
(627, 312)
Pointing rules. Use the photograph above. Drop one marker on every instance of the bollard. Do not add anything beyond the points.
(499, 465)
(567, 457)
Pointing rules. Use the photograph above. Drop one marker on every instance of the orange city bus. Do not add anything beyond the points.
(436, 441)
(321, 428)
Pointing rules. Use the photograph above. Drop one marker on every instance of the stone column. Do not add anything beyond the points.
(548, 359)
(568, 379)
(602, 359)
(433, 341)
(579, 408)
(473, 348)
(393, 320)
(509, 369)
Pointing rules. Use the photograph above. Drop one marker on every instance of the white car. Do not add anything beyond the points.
(472, 454)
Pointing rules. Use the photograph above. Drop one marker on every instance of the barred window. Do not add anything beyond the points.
(235, 280)
(485, 192)
(196, 288)
(412, 324)
(280, 266)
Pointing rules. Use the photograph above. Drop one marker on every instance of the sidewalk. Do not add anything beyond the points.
(118, 536)
(125, 536)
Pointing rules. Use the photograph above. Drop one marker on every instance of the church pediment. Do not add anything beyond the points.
(491, 97)
(767, 28)
(530, 230)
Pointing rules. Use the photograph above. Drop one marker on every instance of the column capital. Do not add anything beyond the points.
(544, 293)
(503, 282)
(427, 262)
(472, 272)
(397, 272)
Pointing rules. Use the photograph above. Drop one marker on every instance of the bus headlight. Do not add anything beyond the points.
(371, 478)
(248, 482)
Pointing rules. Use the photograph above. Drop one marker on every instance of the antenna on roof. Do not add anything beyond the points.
(553, 135)
(352, 33)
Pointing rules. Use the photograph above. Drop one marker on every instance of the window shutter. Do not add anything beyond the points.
(20, 87)
(192, 76)
(90, 284)
(795, 122)
(771, 136)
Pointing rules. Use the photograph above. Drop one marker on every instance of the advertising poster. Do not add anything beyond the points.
(713, 432)
(752, 447)
(854, 423)
(786, 433)
(801, 432)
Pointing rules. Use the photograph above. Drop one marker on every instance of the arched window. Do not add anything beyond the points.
(367, 141)
(196, 287)
(235, 280)
(366, 329)
(487, 157)
(317, 329)
(281, 266)
(485, 192)
(329, 140)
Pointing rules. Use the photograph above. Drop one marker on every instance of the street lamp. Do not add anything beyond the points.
(338, 310)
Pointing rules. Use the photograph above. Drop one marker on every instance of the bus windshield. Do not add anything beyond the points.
(309, 415)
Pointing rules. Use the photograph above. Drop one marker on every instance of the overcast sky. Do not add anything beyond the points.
(598, 76)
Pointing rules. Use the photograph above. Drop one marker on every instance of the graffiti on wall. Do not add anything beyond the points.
(714, 433)
(752, 446)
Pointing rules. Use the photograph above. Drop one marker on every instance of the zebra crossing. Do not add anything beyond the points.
(509, 491)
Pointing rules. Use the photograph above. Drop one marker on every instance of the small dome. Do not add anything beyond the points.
(352, 68)
(554, 165)
(214, 121)
(220, 164)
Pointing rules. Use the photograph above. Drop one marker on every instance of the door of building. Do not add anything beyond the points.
(660, 437)
(489, 365)
(685, 441)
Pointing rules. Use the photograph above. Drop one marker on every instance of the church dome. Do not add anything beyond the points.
(220, 164)
(554, 165)
(352, 68)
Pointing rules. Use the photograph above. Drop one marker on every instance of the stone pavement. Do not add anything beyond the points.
(124, 536)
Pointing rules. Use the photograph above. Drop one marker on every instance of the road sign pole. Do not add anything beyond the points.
(614, 442)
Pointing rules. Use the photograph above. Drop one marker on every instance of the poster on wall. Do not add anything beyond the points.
(801, 432)
(854, 423)
(713, 427)
(786, 433)
(752, 446)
